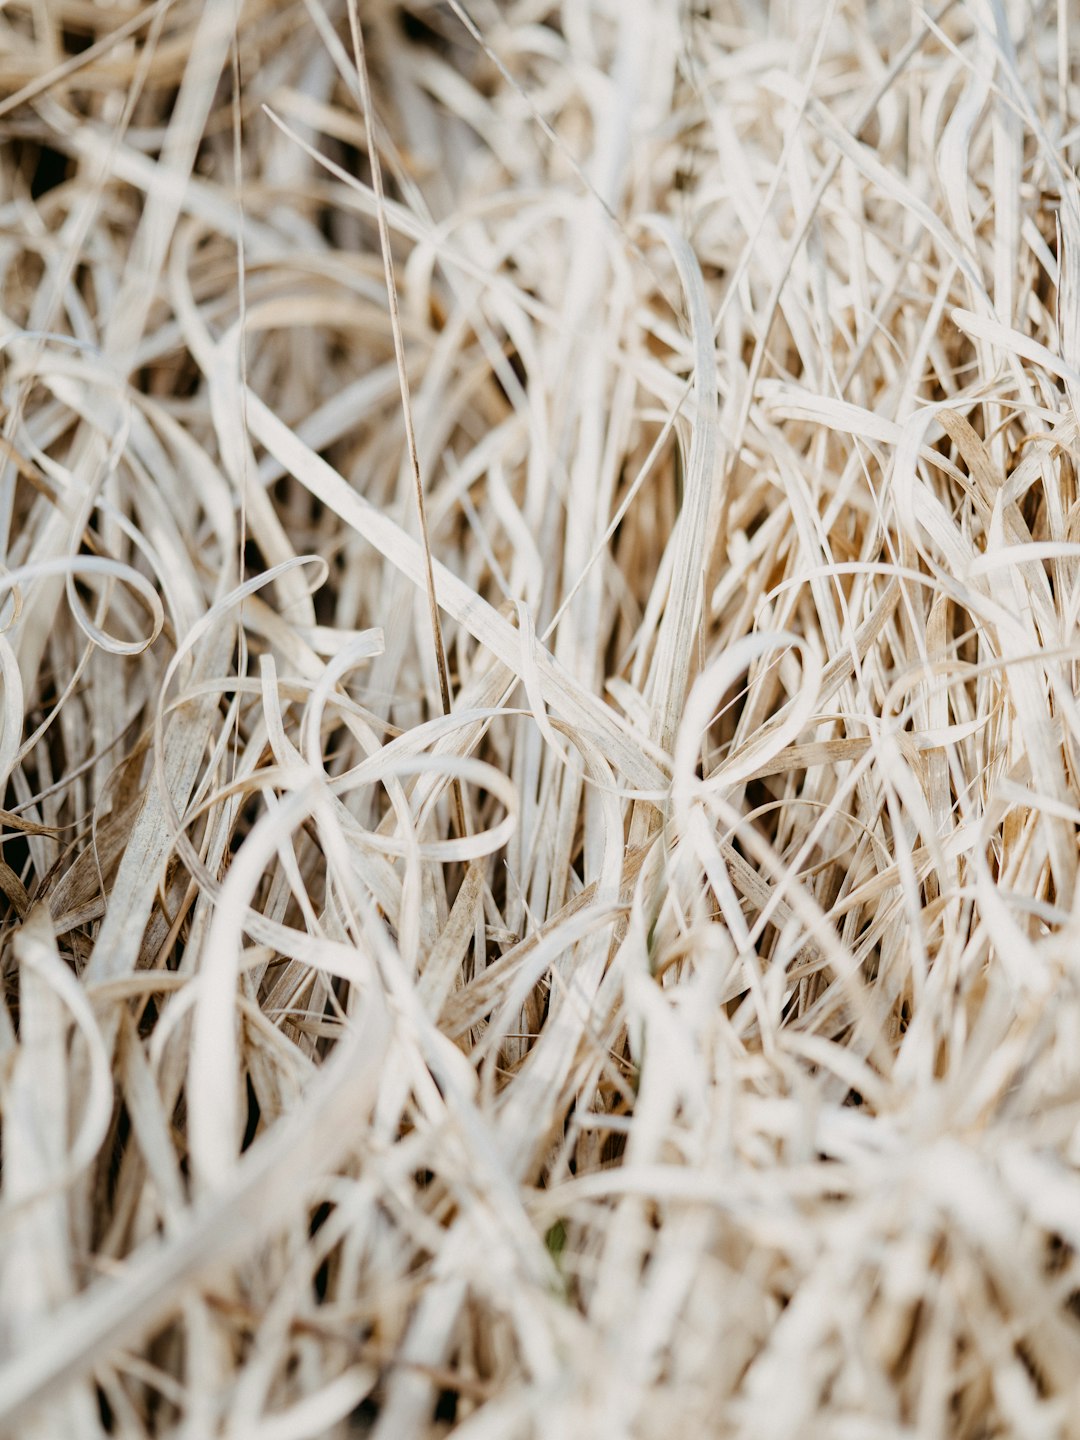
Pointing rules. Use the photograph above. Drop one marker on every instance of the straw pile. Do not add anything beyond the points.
(539, 726)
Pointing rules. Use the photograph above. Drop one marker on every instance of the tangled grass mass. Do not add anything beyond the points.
(539, 645)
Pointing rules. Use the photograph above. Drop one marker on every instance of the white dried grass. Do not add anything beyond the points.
(661, 1015)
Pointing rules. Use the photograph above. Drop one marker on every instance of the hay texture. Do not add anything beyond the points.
(540, 742)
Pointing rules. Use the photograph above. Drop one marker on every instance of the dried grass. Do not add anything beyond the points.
(540, 738)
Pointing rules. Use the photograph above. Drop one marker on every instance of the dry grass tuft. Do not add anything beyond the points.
(541, 753)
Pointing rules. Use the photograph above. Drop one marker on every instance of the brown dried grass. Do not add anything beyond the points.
(540, 735)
